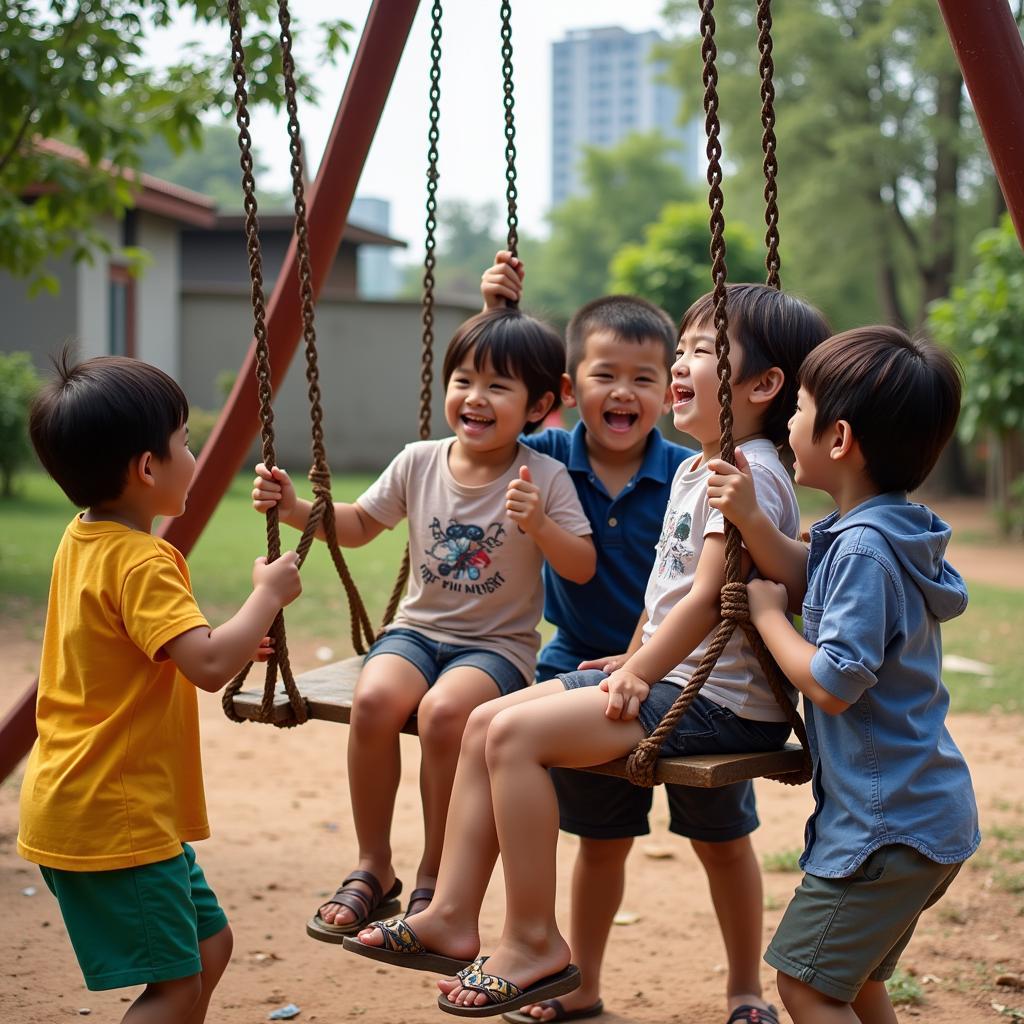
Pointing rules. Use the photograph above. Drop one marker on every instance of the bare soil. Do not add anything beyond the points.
(282, 840)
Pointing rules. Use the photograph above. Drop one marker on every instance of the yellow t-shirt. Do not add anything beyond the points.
(115, 778)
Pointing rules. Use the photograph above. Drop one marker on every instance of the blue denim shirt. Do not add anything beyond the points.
(886, 770)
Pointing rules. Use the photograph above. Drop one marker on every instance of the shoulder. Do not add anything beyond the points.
(554, 441)
(542, 466)
(865, 551)
(675, 454)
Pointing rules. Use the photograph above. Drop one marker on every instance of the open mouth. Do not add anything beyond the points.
(474, 424)
(619, 420)
(682, 394)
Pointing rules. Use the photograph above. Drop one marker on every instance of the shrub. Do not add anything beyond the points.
(18, 384)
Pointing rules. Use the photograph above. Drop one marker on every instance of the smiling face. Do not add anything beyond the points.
(620, 388)
(488, 410)
(695, 406)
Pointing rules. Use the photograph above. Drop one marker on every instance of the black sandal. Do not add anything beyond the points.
(753, 1015)
(367, 908)
(424, 896)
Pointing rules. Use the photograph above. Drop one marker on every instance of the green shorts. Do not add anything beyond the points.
(133, 926)
(838, 933)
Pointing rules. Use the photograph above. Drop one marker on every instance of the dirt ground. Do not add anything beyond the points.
(282, 840)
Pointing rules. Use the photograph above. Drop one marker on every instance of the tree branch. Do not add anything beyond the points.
(905, 228)
(18, 138)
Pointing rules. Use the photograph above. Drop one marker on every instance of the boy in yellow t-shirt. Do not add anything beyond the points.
(113, 790)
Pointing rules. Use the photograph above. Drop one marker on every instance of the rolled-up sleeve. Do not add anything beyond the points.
(860, 611)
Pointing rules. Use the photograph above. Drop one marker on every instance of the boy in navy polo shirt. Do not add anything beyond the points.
(895, 814)
(620, 350)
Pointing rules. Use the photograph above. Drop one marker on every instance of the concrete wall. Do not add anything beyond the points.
(39, 324)
(157, 304)
(369, 358)
(93, 294)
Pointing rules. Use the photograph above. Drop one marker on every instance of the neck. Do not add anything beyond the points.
(853, 491)
(468, 466)
(613, 457)
(712, 449)
(123, 512)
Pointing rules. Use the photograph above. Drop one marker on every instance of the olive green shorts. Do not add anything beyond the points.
(133, 926)
(838, 933)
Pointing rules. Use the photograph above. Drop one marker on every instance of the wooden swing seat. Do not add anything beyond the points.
(328, 692)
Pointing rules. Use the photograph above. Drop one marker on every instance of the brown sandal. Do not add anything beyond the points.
(367, 908)
(424, 896)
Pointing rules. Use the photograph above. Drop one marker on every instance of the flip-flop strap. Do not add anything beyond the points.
(471, 968)
(553, 1004)
(399, 937)
(753, 1015)
(346, 893)
(498, 990)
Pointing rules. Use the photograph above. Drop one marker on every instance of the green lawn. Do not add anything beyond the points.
(991, 631)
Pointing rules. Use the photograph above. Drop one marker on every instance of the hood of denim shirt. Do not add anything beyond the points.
(918, 538)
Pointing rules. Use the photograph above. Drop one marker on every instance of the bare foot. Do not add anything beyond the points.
(580, 999)
(523, 967)
(339, 914)
(439, 933)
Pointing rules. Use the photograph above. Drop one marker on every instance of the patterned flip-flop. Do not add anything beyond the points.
(504, 995)
(367, 908)
(402, 948)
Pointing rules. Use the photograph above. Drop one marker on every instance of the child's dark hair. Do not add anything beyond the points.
(900, 395)
(517, 346)
(771, 329)
(93, 418)
(625, 316)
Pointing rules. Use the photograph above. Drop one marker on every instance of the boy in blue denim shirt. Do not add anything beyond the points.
(895, 815)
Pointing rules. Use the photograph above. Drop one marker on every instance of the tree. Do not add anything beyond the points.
(18, 384)
(77, 71)
(983, 323)
(672, 266)
(211, 167)
(625, 188)
(884, 177)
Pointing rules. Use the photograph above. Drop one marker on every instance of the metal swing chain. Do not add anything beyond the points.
(511, 192)
(322, 512)
(429, 264)
(766, 68)
(642, 762)
(277, 632)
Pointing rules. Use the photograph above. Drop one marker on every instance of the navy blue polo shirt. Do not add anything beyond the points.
(599, 617)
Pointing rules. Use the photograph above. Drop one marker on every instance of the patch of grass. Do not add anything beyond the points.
(782, 861)
(1008, 881)
(903, 989)
(950, 914)
(771, 902)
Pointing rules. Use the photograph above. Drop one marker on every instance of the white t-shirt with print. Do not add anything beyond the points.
(475, 577)
(736, 682)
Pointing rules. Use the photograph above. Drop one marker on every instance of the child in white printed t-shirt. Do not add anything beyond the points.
(484, 512)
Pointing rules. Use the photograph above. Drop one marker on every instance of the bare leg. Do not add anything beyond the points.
(450, 924)
(166, 1002)
(571, 730)
(388, 691)
(809, 1006)
(598, 881)
(215, 953)
(873, 1005)
(734, 879)
(442, 717)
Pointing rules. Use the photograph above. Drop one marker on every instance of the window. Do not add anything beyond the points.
(120, 311)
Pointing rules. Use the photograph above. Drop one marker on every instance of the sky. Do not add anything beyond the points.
(472, 160)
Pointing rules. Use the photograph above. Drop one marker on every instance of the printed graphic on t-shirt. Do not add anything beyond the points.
(460, 557)
(673, 550)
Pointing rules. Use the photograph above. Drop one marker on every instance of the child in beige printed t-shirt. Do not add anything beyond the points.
(484, 513)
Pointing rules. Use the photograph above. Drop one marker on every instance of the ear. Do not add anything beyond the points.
(843, 444)
(666, 402)
(541, 407)
(767, 386)
(568, 389)
(140, 470)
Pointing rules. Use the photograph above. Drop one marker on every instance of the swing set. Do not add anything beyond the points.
(988, 45)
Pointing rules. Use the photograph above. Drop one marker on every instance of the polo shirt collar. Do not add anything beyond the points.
(655, 465)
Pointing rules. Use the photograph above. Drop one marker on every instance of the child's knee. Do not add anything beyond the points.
(504, 738)
(441, 719)
(605, 853)
(729, 854)
(179, 996)
(376, 709)
(216, 954)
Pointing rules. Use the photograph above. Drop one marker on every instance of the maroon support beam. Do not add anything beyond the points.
(328, 201)
(988, 46)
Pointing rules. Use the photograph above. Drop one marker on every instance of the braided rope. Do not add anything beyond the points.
(766, 68)
(279, 658)
(641, 763)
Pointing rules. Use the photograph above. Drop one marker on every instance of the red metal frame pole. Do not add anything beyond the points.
(369, 82)
(988, 46)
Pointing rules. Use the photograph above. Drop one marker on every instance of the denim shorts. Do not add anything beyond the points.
(838, 933)
(135, 926)
(706, 728)
(433, 658)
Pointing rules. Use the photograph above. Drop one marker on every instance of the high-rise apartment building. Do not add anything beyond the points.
(604, 86)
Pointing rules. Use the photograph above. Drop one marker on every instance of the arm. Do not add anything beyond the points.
(776, 556)
(792, 652)
(209, 658)
(353, 525)
(503, 281)
(571, 556)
